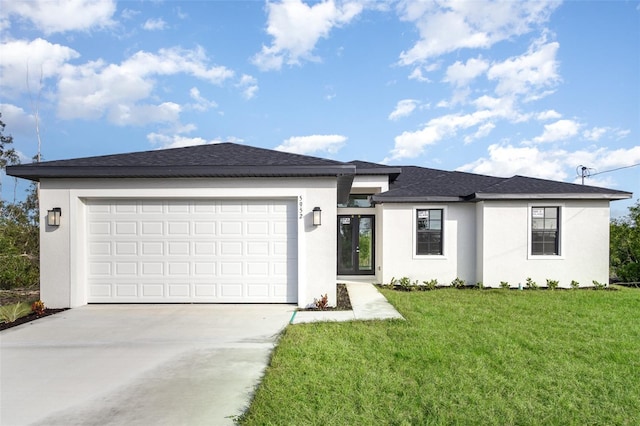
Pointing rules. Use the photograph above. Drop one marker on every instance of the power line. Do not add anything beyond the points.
(613, 170)
(584, 171)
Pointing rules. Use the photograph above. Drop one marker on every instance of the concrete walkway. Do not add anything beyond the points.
(367, 304)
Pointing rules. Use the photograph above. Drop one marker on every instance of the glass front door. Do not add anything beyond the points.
(356, 245)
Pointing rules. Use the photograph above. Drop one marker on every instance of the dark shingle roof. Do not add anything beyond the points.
(372, 169)
(214, 160)
(220, 154)
(406, 184)
(419, 184)
(518, 185)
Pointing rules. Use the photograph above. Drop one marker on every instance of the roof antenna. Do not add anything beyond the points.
(583, 171)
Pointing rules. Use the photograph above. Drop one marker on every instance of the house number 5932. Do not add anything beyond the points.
(300, 207)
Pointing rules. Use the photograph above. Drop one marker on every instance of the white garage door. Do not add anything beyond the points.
(177, 251)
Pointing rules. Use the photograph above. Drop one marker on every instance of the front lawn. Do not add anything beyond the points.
(463, 357)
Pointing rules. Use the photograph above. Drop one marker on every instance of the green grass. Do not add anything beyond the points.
(463, 357)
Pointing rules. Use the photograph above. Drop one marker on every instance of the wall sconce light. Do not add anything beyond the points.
(53, 216)
(317, 216)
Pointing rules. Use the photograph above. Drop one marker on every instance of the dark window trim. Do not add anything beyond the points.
(434, 244)
(545, 237)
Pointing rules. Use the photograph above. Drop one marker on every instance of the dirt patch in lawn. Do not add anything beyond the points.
(27, 295)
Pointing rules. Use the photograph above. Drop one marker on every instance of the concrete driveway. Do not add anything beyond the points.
(137, 364)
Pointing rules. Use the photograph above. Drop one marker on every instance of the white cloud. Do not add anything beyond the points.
(21, 58)
(313, 143)
(296, 28)
(617, 158)
(128, 14)
(154, 24)
(482, 132)
(16, 120)
(449, 26)
(57, 16)
(549, 114)
(507, 161)
(139, 115)
(411, 144)
(177, 141)
(403, 108)
(201, 103)
(555, 164)
(460, 74)
(528, 73)
(417, 75)
(249, 86)
(595, 133)
(558, 131)
(95, 88)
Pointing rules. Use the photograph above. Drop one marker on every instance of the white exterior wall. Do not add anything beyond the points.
(398, 251)
(504, 250)
(63, 249)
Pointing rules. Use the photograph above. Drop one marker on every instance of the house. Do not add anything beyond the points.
(237, 224)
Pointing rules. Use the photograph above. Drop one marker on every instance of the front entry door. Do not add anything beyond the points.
(356, 245)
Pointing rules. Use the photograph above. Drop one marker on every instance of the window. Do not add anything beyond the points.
(358, 200)
(429, 232)
(545, 224)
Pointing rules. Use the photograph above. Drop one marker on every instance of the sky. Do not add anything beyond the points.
(536, 88)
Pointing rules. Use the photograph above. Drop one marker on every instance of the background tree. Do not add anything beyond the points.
(625, 246)
(19, 229)
(8, 155)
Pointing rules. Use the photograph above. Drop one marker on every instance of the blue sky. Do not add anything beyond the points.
(494, 87)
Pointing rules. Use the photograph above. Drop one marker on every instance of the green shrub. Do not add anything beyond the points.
(406, 284)
(431, 284)
(10, 313)
(18, 271)
(479, 285)
(505, 285)
(598, 286)
(531, 284)
(575, 284)
(552, 284)
(458, 283)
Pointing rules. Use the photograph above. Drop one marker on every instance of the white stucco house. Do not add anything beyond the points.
(229, 223)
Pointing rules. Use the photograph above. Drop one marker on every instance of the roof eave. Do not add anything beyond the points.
(422, 199)
(36, 172)
(478, 196)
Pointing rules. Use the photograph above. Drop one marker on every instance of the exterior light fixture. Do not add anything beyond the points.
(317, 216)
(53, 216)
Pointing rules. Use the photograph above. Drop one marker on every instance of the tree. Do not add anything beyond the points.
(19, 229)
(19, 247)
(624, 258)
(8, 155)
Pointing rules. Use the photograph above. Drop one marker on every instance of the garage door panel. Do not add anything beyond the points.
(159, 251)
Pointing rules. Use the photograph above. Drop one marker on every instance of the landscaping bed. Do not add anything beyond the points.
(26, 295)
(31, 317)
(343, 303)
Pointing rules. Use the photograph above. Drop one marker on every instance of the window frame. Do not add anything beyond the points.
(443, 211)
(560, 230)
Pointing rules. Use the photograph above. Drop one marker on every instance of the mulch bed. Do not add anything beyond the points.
(31, 317)
(343, 302)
